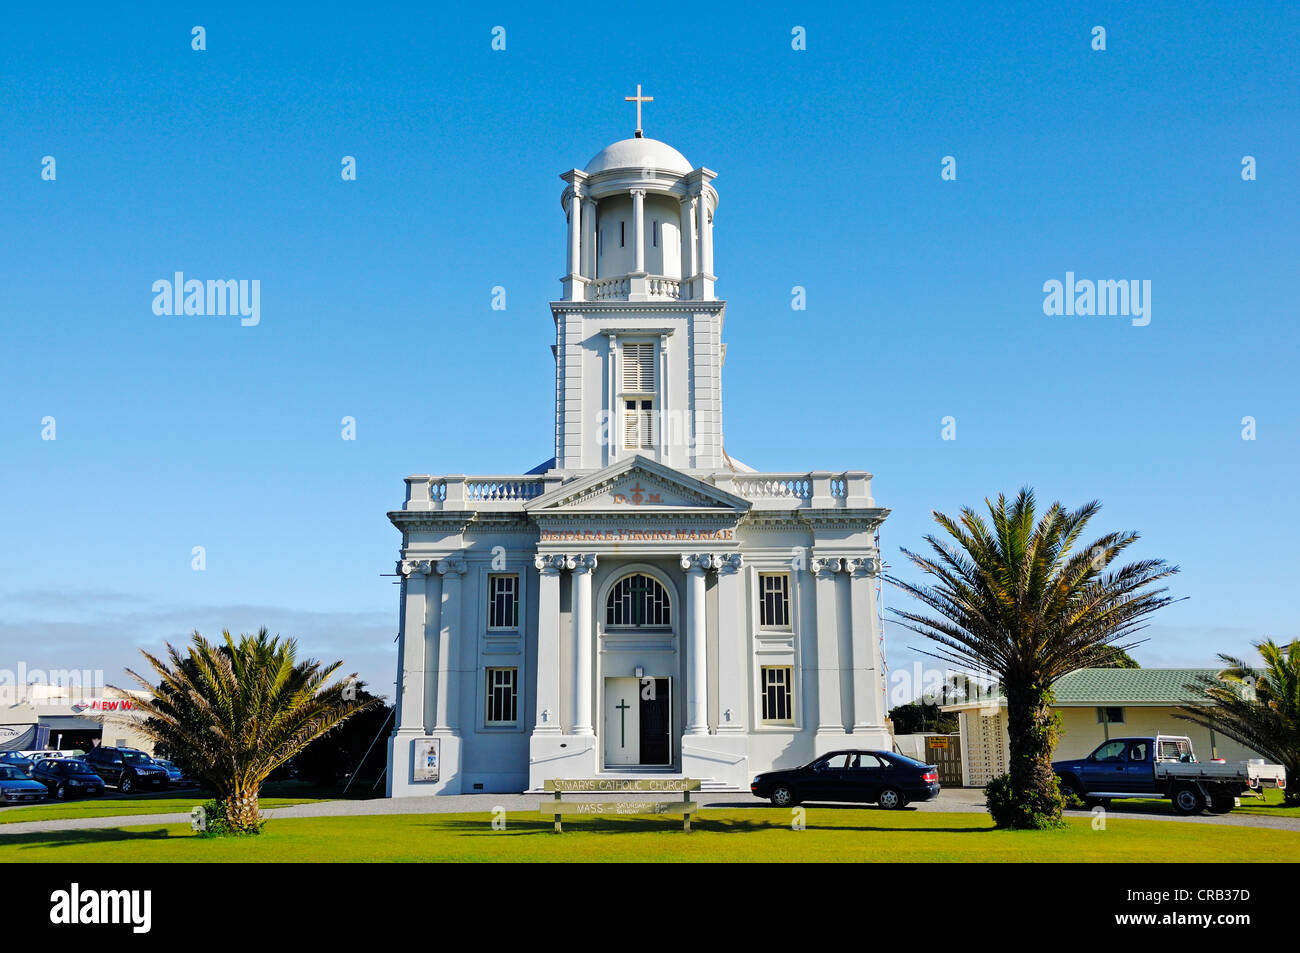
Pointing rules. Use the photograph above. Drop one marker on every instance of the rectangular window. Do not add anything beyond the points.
(774, 600)
(638, 425)
(503, 602)
(654, 234)
(778, 694)
(1110, 716)
(638, 362)
(622, 233)
(502, 696)
(638, 368)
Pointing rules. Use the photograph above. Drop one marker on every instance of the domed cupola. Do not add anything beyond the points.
(640, 223)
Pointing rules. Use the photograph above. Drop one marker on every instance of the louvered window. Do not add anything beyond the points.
(638, 368)
(638, 396)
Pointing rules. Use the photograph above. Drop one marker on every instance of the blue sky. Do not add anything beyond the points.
(924, 296)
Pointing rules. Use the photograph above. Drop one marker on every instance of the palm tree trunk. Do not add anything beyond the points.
(241, 810)
(1032, 729)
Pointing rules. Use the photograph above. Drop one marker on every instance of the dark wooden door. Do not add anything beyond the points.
(656, 722)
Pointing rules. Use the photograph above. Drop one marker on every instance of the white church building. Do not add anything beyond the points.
(642, 604)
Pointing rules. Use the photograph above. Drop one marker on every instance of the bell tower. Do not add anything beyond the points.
(638, 330)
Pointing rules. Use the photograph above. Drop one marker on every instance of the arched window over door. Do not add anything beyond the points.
(638, 601)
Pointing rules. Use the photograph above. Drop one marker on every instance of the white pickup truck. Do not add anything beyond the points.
(1164, 767)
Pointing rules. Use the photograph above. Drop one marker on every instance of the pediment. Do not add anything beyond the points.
(637, 485)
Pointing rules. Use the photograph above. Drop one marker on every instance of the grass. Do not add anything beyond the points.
(124, 806)
(1271, 806)
(754, 834)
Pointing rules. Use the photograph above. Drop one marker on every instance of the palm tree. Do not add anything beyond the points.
(1022, 601)
(241, 710)
(1258, 708)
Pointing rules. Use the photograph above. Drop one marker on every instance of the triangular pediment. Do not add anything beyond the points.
(637, 484)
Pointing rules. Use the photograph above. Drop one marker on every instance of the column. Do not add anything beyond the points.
(589, 238)
(451, 569)
(614, 421)
(697, 686)
(868, 704)
(548, 643)
(582, 567)
(733, 645)
(575, 233)
(411, 677)
(688, 243)
(830, 717)
(706, 236)
(638, 229)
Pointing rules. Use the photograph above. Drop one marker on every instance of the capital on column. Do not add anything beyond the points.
(580, 563)
(408, 566)
(697, 562)
(824, 567)
(548, 563)
(862, 566)
(729, 562)
(452, 566)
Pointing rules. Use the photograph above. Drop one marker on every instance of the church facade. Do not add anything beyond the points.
(642, 604)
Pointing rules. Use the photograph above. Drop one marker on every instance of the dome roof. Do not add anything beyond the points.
(637, 154)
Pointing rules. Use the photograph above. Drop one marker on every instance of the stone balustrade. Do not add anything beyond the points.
(765, 491)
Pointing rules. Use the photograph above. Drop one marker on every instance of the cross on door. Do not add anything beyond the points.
(623, 708)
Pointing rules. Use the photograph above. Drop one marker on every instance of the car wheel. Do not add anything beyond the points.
(1070, 791)
(126, 784)
(1222, 803)
(1188, 801)
(891, 799)
(60, 792)
(783, 796)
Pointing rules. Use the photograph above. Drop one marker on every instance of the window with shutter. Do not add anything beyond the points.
(638, 368)
(638, 394)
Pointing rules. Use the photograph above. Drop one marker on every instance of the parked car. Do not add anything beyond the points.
(126, 768)
(880, 777)
(16, 787)
(16, 759)
(1163, 766)
(66, 777)
(175, 776)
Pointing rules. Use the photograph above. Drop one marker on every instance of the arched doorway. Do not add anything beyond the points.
(638, 627)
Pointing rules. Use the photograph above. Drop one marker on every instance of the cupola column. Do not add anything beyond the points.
(589, 238)
(689, 269)
(638, 230)
(575, 244)
(706, 237)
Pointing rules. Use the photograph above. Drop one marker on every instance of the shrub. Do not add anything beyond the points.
(1023, 810)
(218, 825)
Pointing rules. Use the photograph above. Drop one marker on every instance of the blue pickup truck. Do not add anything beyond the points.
(1164, 766)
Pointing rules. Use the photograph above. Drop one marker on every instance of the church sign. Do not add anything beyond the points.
(597, 785)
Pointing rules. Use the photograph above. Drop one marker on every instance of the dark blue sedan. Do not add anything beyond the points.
(67, 777)
(869, 777)
(17, 788)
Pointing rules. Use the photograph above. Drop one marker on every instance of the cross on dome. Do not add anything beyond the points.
(638, 99)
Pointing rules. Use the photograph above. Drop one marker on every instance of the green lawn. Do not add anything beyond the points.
(756, 834)
(1271, 806)
(124, 806)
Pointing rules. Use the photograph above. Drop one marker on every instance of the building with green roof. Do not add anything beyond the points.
(1095, 704)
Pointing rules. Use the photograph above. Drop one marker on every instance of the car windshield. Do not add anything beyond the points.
(76, 767)
(10, 773)
(135, 757)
